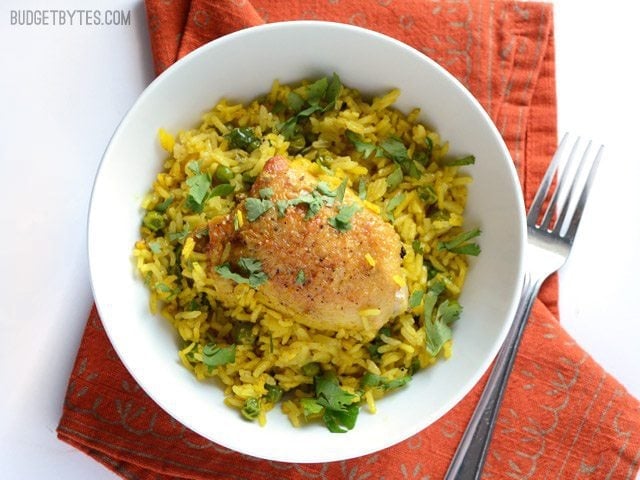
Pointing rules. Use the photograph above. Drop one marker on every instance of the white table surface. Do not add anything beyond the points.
(65, 88)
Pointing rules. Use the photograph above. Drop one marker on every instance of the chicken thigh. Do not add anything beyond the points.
(331, 260)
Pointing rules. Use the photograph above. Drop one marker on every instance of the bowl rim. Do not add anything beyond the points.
(192, 56)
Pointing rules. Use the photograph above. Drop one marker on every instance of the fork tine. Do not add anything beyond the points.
(577, 214)
(543, 189)
(564, 207)
(555, 197)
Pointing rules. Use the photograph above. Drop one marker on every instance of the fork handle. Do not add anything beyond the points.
(470, 456)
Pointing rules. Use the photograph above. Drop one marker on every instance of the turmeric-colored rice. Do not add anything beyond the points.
(425, 206)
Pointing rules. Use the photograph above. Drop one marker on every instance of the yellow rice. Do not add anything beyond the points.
(174, 269)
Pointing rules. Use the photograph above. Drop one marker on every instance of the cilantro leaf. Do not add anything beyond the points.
(295, 101)
(341, 190)
(301, 278)
(162, 207)
(221, 190)
(430, 299)
(395, 178)
(459, 243)
(342, 221)
(437, 327)
(416, 298)
(198, 188)
(340, 421)
(213, 355)
(321, 91)
(333, 92)
(250, 272)
(449, 311)
(362, 189)
(360, 145)
(371, 380)
(460, 161)
(256, 207)
(266, 193)
(438, 333)
(340, 407)
(394, 149)
(316, 91)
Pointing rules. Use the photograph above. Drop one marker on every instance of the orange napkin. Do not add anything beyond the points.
(562, 416)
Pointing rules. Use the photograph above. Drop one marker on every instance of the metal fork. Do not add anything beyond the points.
(549, 241)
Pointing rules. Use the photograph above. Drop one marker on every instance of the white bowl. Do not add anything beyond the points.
(241, 66)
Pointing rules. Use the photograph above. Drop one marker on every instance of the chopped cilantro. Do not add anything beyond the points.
(179, 236)
(282, 206)
(437, 326)
(162, 207)
(250, 272)
(395, 178)
(458, 162)
(155, 246)
(417, 246)
(213, 355)
(301, 278)
(416, 298)
(438, 333)
(295, 101)
(377, 342)
(460, 243)
(362, 189)
(316, 91)
(449, 311)
(393, 203)
(397, 151)
(360, 145)
(198, 189)
(221, 190)
(372, 380)
(342, 221)
(323, 91)
(265, 193)
(428, 195)
(256, 207)
(339, 408)
(341, 190)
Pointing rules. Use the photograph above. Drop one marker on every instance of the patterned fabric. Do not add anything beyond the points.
(562, 416)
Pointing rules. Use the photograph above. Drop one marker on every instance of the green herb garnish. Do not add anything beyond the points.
(394, 149)
(256, 207)
(460, 243)
(339, 408)
(360, 145)
(250, 272)
(416, 298)
(321, 96)
(458, 162)
(342, 221)
(395, 178)
(301, 278)
(371, 380)
(198, 189)
(213, 355)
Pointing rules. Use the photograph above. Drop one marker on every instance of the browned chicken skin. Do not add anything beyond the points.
(340, 284)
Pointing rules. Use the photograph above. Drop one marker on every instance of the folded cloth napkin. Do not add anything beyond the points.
(562, 415)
